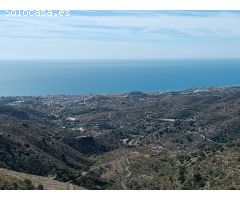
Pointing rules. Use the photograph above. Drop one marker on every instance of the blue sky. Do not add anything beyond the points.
(122, 35)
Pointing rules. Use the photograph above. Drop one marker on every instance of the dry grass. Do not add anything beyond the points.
(47, 182)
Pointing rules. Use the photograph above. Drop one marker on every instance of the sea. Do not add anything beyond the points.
(74, 77)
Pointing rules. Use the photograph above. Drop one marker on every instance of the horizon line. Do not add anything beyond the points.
(123, 59)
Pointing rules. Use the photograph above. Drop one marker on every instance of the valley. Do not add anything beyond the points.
(164, 140)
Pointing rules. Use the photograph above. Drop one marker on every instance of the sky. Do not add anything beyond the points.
(122, 35)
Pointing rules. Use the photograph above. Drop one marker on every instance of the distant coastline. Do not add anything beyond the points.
(185, 91)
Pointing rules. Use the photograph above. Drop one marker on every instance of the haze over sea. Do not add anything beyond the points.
(18, 78)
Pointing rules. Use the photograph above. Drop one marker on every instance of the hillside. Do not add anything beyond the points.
(15, 180)
(174, 140)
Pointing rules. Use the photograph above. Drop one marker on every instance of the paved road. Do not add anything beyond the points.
(202, 136)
